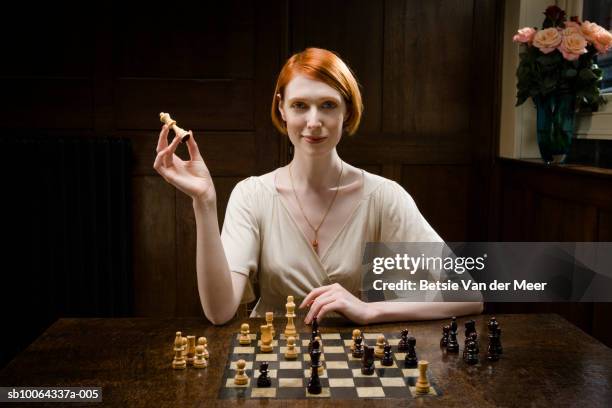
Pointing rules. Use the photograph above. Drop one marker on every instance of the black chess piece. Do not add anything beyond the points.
(358, 352)
(411, 360)
(367, 361)
(315, 329)
(471, 354)
(473, 336)
(470, 327)
(500, 349)
(387, 360)
(403, 345)
(314, 383)
(314, 334)
(263, 380)
(453, 345)
(453, 325)
(492, 348)
(445, 334)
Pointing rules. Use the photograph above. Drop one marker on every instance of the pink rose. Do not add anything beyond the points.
(524, 35)
(571, 30)
(569, 24)
(602, 41)
(589, 30)
(547, 40)
(572, 45)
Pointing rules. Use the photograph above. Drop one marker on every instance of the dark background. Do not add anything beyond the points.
(94, 231)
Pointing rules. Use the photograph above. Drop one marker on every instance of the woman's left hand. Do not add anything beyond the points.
(337, 299)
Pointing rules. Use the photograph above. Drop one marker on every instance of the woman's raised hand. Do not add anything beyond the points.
(192, 176)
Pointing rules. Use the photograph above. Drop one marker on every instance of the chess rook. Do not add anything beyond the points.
(422, 385)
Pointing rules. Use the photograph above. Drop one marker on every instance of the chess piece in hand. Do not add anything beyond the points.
(191, 176)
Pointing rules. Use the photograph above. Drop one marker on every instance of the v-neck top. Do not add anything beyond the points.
(262, 240)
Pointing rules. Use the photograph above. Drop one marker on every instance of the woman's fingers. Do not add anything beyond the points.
(332, 306)
(313, 295)
(162, 143)
(192, 146)
(318, 303)
(169, 151)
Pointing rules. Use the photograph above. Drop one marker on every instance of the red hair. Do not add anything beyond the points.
(325, 66)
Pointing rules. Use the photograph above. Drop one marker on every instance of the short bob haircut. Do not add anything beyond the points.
(325, 66)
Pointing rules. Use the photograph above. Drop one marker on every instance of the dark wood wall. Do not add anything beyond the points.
(429, 72)
(536, 203)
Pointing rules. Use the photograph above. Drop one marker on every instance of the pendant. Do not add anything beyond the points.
(315, 244)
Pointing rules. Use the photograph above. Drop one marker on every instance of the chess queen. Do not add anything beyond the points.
(299, 229)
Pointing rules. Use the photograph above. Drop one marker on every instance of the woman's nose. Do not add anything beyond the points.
(313, 120)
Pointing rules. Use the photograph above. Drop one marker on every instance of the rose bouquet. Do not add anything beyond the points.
(559, 58)
(557, 70)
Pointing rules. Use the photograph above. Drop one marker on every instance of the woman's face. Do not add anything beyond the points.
(314, 113)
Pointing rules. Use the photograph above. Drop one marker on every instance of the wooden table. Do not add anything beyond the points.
(546, 361)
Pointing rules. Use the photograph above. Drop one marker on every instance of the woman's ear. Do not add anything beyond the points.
(280, 106)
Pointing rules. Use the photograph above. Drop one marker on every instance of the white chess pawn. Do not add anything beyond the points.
(291, 352)
(245, 337)
(241, 378)
(199, 360)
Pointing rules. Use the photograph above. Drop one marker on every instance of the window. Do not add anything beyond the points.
(600, 12)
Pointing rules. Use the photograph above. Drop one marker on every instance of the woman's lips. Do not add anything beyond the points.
(313, 140)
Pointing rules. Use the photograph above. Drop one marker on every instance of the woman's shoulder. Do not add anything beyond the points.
(253, 186)
(376, 185)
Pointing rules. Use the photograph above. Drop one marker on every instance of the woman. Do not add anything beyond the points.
(300, 229)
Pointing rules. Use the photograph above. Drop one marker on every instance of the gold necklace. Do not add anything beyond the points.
(315, 242)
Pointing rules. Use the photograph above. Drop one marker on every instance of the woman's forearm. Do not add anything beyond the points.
(218, 295)
(381, 312)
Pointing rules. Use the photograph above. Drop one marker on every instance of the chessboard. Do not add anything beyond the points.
(341, 379)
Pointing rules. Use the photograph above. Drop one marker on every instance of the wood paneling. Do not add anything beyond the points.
(427, 69)
(558, 220)
(47, 103)
(556, 203)
(440, 194)
(154, 244)
(200, 104)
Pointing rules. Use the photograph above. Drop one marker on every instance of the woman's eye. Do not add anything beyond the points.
(298, 105)
(329, 105)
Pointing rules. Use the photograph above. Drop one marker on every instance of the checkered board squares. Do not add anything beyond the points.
(341, 378)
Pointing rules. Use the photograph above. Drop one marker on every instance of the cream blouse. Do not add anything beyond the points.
(263, 242)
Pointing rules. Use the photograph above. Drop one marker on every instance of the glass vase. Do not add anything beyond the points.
(555, 125)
